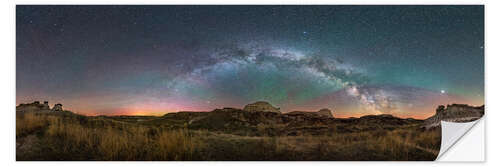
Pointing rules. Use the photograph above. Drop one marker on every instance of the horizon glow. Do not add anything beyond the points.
(152, 60)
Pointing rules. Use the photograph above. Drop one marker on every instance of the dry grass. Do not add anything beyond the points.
(30, 122)
(94, 138)
(121, 141)
(379, 145)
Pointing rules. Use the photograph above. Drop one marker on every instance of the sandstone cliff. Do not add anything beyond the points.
(454, 113)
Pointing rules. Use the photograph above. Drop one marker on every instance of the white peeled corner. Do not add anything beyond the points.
(451, 133)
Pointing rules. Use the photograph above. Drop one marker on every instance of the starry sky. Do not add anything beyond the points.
(151, 60)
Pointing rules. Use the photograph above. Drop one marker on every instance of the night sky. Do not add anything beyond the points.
(150, 60)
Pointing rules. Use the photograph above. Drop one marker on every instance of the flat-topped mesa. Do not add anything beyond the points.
(261, 106)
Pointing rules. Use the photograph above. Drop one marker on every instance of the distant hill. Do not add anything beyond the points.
(257, 132)
(244, 122)
(261, 118)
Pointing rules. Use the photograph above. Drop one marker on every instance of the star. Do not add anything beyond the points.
(185, 60)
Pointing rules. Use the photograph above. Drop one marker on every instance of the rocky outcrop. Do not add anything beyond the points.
(261, 106)
(241, 122)
(57, 107)
(35, 106)
(454, 113)
(45, 105)
(300, 115)
(325, 112)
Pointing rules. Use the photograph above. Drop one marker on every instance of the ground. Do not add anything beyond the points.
(226, 135)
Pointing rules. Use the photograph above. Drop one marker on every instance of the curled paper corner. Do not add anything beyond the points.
(451, 133)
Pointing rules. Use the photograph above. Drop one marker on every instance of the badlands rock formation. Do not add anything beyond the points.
(37, 107)
(261, 106)
(454, 113)
(57, 107)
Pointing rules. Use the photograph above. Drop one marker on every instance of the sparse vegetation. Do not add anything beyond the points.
(66, 136)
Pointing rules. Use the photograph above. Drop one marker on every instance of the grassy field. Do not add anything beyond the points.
(66, 136)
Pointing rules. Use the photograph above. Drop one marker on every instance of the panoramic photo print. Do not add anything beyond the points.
(251, 83)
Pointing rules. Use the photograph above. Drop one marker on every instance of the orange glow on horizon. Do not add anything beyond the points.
(159, 112)
(154, 109)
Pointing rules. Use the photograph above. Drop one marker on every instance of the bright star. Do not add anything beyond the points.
(443, 92)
